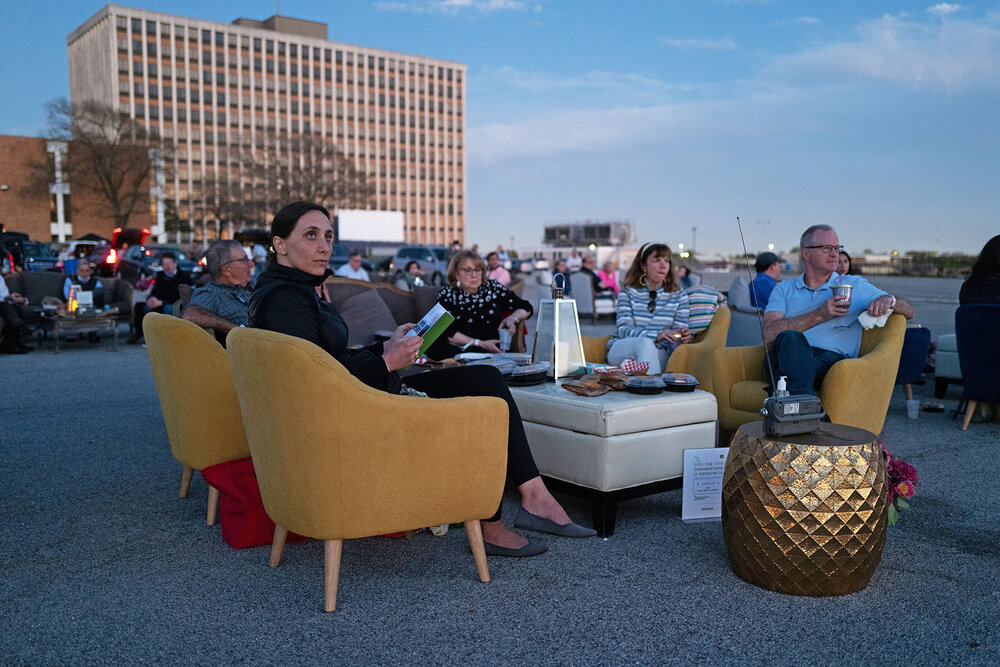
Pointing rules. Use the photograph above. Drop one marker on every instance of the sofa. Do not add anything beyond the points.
(372, 308)
(36, 285)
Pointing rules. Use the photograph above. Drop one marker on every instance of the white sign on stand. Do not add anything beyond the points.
(702, 496)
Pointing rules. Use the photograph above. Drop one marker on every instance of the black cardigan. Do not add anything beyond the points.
(285, 300)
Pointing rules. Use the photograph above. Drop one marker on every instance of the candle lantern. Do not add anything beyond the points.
(557, 334)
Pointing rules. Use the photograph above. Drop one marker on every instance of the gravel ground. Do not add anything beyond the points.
(101, 562)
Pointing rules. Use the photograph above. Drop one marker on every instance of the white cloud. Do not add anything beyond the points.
(455, 6)
(951, 55)
(722, 44)
(810, 20)
(943, 9)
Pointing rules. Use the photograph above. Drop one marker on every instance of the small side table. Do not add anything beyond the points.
(805, 514)
(105, 320)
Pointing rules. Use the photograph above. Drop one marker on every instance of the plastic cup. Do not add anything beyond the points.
(844, 291)
(504, 340)
(913, 408)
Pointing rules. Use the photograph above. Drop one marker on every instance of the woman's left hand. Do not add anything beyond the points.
(490, 345)
(509, 323)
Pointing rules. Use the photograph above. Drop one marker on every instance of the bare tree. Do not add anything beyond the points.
(109, 154)
(254, 180)
(317, 171)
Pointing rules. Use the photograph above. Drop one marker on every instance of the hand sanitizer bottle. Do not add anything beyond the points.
(782, 387)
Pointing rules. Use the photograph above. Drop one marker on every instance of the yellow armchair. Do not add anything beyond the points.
(694, 358)
(197, 398)
(336, 459)
(855, 392)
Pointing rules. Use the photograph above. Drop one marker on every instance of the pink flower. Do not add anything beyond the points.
(905, 488)
(902, 471)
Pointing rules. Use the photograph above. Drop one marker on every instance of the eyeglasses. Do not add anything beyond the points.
(238, 259)
(652, 301)
(469, 270)
(828, 249)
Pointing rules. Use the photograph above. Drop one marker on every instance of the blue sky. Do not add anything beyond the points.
(880, 118)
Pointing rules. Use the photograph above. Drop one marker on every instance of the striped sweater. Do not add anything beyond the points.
(635, 320)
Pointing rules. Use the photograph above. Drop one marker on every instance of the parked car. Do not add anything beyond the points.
(14, 242)
(38, 256)
(78, 249)
(143, 261)
(433, 262)
(522, 265)
(6, 260)
(340, 255)
(104, 258)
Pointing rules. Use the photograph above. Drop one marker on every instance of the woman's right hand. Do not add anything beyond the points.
(490, 345)
(401, 350)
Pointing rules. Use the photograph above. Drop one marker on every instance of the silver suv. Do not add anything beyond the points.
(433, 261)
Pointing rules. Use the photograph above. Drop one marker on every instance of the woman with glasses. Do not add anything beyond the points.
(285, 300)
(481, 309)
(652, 311)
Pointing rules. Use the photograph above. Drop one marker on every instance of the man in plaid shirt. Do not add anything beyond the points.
(222, 304)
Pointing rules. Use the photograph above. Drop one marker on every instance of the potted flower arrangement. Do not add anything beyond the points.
(902, 483)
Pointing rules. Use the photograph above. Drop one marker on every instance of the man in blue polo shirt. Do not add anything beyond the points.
(807, 327)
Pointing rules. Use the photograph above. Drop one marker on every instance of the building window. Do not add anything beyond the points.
(220, 79)
(138, 89)
(151, 68)
(136, 25)
(256, 43)
(206, 36)
(151, 49)
(153, 91)
(140, 110)
(195, 95)
(219, 39)
(136, 47)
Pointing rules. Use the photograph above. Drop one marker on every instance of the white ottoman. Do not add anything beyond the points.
(946, 368)
(616, 446)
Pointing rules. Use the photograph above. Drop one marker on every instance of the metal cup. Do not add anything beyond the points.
(844, 291)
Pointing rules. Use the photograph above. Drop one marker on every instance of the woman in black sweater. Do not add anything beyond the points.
(287, 299)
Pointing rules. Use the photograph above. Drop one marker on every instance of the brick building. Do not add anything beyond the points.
(56, 211)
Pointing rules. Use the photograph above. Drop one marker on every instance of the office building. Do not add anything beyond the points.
(253, 114)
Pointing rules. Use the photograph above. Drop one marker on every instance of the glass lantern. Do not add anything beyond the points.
(557, 335)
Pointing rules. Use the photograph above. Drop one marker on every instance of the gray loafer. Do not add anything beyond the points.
(529, 549)
(525, 520)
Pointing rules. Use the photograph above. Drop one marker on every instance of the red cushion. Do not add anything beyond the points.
(244, 521)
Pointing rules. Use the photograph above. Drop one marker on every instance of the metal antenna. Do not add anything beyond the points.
(753, 291)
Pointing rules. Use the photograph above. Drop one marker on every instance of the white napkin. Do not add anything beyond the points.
(869, 321)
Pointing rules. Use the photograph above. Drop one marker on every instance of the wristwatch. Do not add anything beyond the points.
(893, 304)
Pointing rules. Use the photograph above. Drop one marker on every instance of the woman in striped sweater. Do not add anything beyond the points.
(652, 311)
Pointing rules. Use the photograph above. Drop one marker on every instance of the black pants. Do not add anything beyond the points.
(14, 328)
(483, 381)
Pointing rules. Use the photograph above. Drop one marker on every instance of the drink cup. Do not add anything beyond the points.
(844, 291)
(913, 408)
(504, 340)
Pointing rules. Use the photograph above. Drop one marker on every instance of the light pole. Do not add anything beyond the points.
(694, 239)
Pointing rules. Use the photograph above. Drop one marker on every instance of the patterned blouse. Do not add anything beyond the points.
(633, 318)
(478, 315)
